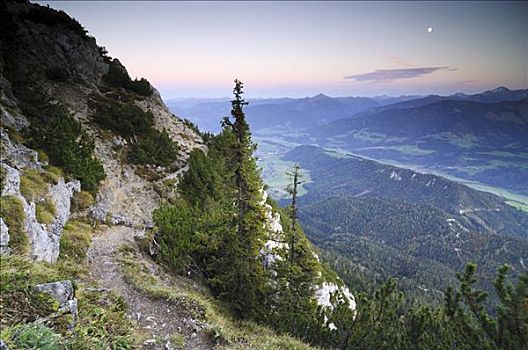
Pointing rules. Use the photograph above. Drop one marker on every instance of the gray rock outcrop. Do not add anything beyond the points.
(63, 292)
(11, 185)
(15, 154)
(4, 238)
(45, 240)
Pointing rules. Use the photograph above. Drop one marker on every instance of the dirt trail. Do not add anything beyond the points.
(158, 319)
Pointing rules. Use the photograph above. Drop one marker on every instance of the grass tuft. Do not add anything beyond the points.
(46, 211)
(82, 200)
(33, 185)
(12, 211)
(53, 174)
(75, 241)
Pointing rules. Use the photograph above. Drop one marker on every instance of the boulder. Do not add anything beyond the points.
(62, 291)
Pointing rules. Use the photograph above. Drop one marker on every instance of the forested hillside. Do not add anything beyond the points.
(373, 221)
(479, 137)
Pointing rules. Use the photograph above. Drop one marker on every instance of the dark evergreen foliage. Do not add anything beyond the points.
(51, 17)
(125, 119)
(156, 148)
(56, 132)
(148, 145)
(117, 76)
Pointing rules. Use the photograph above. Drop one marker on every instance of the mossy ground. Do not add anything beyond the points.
(75, 241)
(45, 211)
(12, 211)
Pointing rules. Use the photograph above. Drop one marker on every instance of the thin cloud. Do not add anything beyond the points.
(385, 75)
(401, 61)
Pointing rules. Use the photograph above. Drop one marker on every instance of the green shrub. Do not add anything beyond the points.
(141, 87)
(36, 336)
(12, 211)
(32, 185)
(45, 211)
(82, 200)
(117, 76)
(149, 146)
(127, 120)
(75, 241)
(177, 224)
(189, 123)
(156, 148)
(67, 144)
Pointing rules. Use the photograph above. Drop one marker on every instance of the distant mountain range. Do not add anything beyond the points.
(303, 113)
(285, 113)
(480, 137)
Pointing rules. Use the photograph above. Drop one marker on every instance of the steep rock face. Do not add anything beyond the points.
(4, 238)
(32, 61)
(45, 45)
(44, 239)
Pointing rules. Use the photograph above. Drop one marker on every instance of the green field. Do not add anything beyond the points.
(518, 205)
(274, 168)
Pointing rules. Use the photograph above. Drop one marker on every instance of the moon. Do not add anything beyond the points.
(429, 29)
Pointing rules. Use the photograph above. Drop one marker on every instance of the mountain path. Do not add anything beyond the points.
(159, 320)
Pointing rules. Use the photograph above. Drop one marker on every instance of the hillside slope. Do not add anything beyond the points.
(483, 141)
(373, 221)
(88, 155)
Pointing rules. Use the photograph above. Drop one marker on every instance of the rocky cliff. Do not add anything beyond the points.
(46, 52)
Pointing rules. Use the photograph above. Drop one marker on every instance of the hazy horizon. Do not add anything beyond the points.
(183, 98)
(299, 49)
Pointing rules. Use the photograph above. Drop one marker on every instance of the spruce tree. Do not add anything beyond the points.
(292, 189)
(243, 277)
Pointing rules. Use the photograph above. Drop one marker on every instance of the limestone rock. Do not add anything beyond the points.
(4, 238)
(328, 291)
(11, 181)
(62, 291)
(45, 241)
(13, 120)
(17, 155)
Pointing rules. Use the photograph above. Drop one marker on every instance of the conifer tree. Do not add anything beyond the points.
(242, 275)
(292, 189)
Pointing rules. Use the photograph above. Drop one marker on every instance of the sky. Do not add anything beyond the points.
(297, 48)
